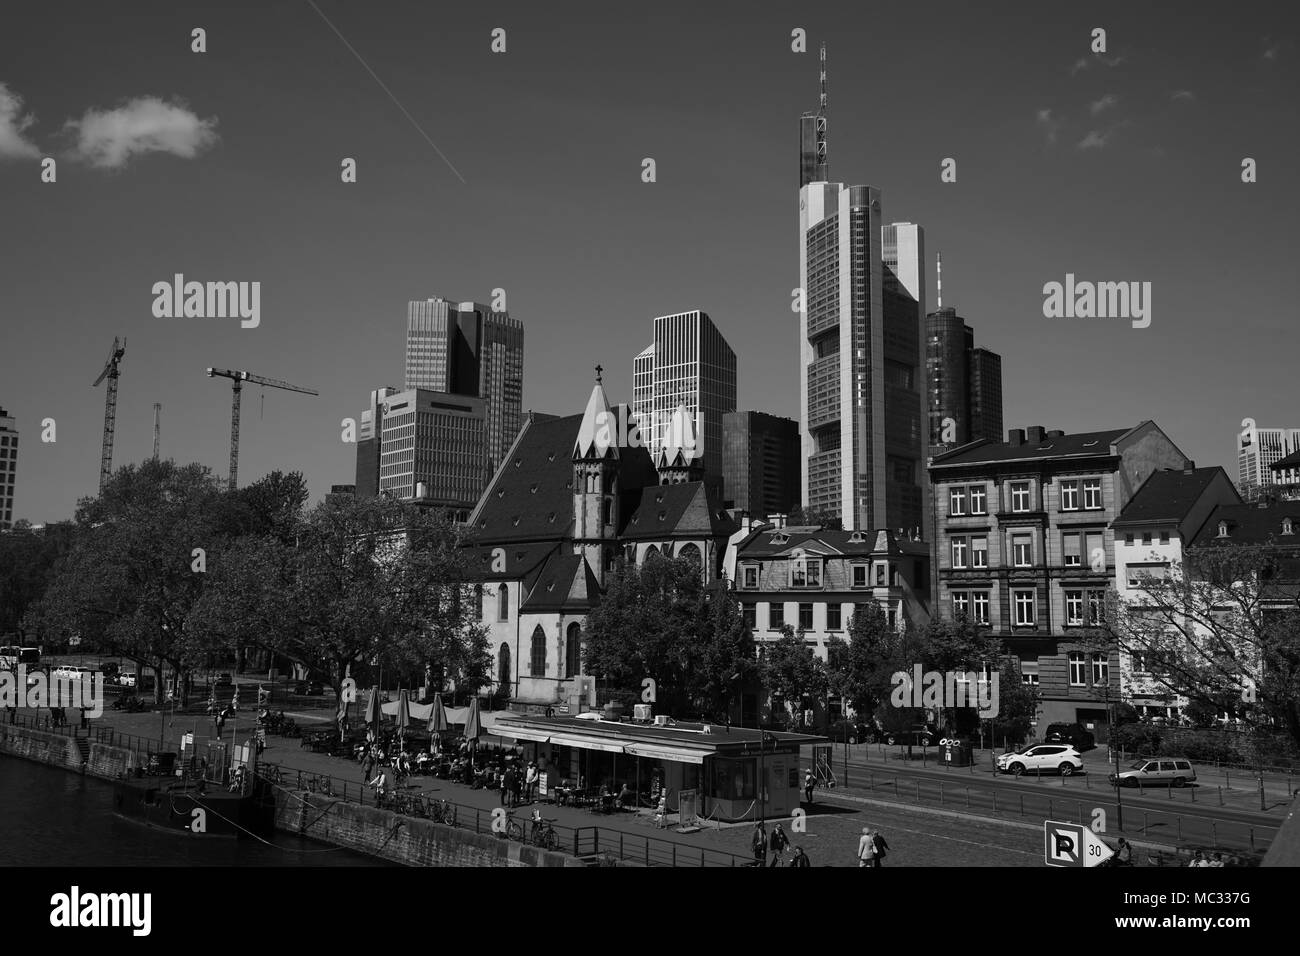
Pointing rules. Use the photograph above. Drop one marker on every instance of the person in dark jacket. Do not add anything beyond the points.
(778, 844)
(758, 842)
(881, 849)
(800, 858)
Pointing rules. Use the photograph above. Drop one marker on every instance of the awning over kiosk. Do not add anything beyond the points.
(520, 733)
(587, 743)
(652, 752)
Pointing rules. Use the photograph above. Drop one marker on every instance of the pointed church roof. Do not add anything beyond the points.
(598, 435)
(681, 444)
(566, 583)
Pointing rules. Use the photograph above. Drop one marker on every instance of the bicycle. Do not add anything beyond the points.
(544, 835)
(513, 830)
(440, 811)
(271, 774)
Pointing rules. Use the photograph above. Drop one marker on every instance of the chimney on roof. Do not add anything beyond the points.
(1056, 433)
(1035, 434)
(1189, 466)
(777, 521)
(1015, 436)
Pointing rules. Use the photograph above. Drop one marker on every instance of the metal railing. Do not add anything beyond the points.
(595, 843)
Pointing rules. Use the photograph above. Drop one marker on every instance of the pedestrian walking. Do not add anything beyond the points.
(530, 783)
(778, 844)
(881, 847)
(517, 785)
(866, 847)
(809, 781)
(220, 722)
(758, 842)
(507, 787)
(800, 858)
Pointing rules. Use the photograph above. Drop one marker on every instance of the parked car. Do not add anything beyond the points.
(309, 688)
(919, 735)
(1060, 758)
(1076, 735)
(1174, 771)
(126, 678)
(70, 672)
(224, 679)
(855, 732)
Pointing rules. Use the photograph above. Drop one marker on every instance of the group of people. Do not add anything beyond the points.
(770, 850)
(517, 785)
(872, 848)
(1199, 859)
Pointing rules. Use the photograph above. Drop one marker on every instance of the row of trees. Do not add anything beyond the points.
(168, 569)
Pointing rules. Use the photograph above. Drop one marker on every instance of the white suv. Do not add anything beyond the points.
(1040, 758)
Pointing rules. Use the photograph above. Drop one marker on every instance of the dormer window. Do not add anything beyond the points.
(501, 492)
(857, 537)
(551, 457)
(780, 538)
(1223, 529)
(805, 572)
(516, 521)
(1286, 526)
(519, 462)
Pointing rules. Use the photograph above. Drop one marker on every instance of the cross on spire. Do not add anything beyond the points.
(599, 369)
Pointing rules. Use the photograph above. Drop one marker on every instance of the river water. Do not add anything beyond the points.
(50, 817)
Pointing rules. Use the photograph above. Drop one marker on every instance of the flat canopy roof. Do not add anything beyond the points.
(682, 742)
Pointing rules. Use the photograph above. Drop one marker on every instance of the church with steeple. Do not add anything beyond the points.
(572, 498)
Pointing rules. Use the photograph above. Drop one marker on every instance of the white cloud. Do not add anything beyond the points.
(1183, 95)
(1105, 103)
(1049, 124)
(13, 145)
(146, 124)
(1084, 62)
(1079, 64)
(1095, 140)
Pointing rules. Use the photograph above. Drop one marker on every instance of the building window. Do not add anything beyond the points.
(1128, 539)
(833, 617)
(960, 604)
(1020, 496)
(1146, 537)
(503, 665)
(958, 552)
(1069, 496)
(1029, 674)
(880, 575)
(1141, 574)
(957, 501)
(979, 552)
(1095, 542)
(749, 613)
(1100, 669)
(1096, 608)
(691, 553)
(859, 575)
(806, 616)
(978, 500)
(891, 615)
(1022, 550)
(1223, 529)
(806, 573)
(750, 576)
(573, 651)
(775, 616)
(1287, 528)
(503, 603)
(539, 652)
(1072, 548)
(1078, 669)
(1164, 537)
(980, 606)
(1024, 608)
(478, 596)
(1092, 494)
(1074, 608)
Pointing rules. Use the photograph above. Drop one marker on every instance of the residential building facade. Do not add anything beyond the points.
(1022, 546)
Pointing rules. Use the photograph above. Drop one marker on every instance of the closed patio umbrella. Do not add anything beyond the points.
(403, 711)
(373, 713)
(473, 728)
(437, 716)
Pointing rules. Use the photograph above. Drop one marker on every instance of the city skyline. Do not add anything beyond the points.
(1128, 205)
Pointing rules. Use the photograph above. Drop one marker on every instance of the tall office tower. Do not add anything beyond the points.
(8, 468)
(690, 364)
(369, 439)
(902, 253)
(760, 462)
(985, 395)
(643, 386)
(468, 349)
(1258, 448)
(852, 423)
(964, 383)
(431, 448)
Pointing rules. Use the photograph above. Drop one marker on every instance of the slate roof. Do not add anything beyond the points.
(1082, 444)
(1251, 524)
(768, 542)
(520, 559)
(1284, 464)
(530, 498)
(690, 507)
(565, 583)
(1167, 496)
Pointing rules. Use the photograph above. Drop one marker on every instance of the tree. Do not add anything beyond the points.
(724, 661)
(1225, 621)
(828, 520)
(130, 578)
(791, 671)
(27, 559)
(862, 668)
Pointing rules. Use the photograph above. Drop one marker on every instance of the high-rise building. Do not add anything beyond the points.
(1258, 449)
(964, 383)
(860, 401)
(760, 462)
(468, 349)
(8, 468)
(369, 435)
(431, 448)
(688, 364)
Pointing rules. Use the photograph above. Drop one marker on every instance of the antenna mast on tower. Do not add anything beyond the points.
(157, 413)
(823, 164)
(938, 274)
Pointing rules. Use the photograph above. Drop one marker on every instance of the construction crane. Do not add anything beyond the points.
(157, 424)
(238, 379)
(110, 409)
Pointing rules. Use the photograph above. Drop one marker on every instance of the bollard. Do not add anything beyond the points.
(1081, 823)
(476, 826)
(1227, 777)
(1220, 796)
(1193, 794)
(1171, 791)
(1049, 808)
(1252, 839)
(1145, 822)
(1214, 832)
(918, 791)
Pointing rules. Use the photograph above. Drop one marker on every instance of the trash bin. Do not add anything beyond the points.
(954, 752)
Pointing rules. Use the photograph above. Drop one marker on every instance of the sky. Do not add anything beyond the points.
(522, 170)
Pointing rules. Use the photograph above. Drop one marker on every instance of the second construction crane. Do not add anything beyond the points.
(238, 379)
(110, 410)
